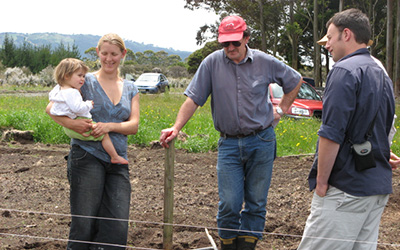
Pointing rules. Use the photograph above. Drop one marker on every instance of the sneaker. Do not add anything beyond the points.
(246, 243)
(228, 244)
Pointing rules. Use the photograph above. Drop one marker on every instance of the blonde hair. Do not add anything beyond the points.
(114, 39)
(67, 67)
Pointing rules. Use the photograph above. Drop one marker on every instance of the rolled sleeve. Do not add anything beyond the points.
(285, 76)
(331, 133)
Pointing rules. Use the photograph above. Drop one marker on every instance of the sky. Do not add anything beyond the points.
(163, 23)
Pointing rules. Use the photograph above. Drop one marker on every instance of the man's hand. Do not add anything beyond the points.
(277, 118)
(185, 112)
(394, 160)
(327, 153)
(321, 189)
(168, 135)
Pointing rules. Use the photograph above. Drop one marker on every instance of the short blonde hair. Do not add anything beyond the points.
(67, 67)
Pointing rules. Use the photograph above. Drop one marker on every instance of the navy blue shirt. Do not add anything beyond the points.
(105, 111)
(239, 92)
(357, 89)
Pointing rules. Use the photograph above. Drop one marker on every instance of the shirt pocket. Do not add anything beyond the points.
(258, 87)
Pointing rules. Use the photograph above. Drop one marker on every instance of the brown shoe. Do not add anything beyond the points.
(228, 244)
(246, 243)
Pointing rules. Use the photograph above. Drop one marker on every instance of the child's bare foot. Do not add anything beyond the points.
(118, 160)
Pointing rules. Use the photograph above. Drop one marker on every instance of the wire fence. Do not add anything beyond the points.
(394, 245)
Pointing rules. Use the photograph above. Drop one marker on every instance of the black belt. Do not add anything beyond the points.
(242, 135)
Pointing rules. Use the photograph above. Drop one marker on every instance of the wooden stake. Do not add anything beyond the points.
(169, 195)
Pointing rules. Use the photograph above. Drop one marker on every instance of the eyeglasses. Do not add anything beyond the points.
(235, 43)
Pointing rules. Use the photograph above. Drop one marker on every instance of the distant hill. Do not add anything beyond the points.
(83, 42)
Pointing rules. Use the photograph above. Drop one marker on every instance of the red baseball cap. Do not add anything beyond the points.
(231, 29)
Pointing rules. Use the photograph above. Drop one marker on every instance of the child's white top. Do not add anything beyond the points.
(69, 102)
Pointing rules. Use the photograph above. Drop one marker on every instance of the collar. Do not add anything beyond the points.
(355, 53)
(249, 56)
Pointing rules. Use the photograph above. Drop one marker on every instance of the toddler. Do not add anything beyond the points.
(67, 101)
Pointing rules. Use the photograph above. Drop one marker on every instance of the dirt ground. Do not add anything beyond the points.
(34, 205)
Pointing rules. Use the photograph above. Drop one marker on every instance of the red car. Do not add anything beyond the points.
(307, 104)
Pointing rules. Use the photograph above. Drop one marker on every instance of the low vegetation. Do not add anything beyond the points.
(27, 112)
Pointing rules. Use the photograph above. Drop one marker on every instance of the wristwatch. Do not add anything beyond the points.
(279, 111)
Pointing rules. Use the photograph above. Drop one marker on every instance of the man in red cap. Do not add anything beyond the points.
(237, 79)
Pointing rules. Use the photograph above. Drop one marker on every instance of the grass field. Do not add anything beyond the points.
(27, 112)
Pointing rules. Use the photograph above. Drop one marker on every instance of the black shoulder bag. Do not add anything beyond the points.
(362, 153)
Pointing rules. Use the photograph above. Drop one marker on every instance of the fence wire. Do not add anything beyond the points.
(154, 223)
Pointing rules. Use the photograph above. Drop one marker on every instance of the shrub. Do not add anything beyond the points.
(16, 76)
(23, 77)
(178, 83)
(177, 71)
(46, 76)
(128, 69)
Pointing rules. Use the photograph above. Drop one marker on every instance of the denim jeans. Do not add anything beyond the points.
(98, 189)
(244, 170)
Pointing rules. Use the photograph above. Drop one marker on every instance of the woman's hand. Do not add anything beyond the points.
(99, 129)
(81, 126)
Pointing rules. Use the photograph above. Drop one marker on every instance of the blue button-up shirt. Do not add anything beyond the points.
(357, 90)
(239, 92)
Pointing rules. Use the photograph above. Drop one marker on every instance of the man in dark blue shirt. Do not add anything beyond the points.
(348, 203)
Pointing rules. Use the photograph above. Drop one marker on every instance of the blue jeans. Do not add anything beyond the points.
(244, 175)
(98, 189)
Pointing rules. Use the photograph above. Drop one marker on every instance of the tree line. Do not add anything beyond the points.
(287, 29)
(36, 58)
(290, 29)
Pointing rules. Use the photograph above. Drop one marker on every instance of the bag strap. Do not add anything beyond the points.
(369, 132)
(371, 126)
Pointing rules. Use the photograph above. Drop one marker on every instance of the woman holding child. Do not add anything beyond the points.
(100, 190)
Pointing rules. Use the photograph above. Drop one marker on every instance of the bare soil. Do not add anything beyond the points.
(34, 203)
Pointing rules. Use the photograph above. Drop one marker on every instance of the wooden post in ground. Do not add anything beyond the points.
(169, 195)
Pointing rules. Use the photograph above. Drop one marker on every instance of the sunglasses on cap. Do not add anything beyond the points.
(235, 43)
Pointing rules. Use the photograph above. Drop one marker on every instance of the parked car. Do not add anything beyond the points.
(130, 77)
(320, 90)
(152, 83)
(310, 81)
(307, 104)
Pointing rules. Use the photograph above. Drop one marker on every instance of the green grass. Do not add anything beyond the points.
(296, 136)
(28, 113)
(156, 113)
